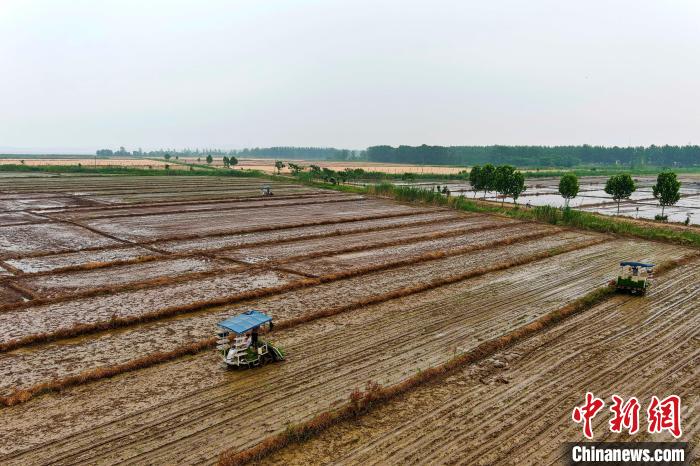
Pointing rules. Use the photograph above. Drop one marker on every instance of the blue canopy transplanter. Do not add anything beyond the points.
(244, 322)
(635, 264)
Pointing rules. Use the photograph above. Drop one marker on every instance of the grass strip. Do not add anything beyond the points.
(547, 214)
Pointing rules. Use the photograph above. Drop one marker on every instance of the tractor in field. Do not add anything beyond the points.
(634, 277)
(239, 343)
(266, 190)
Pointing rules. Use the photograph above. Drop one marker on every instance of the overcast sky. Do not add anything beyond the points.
(88, 74)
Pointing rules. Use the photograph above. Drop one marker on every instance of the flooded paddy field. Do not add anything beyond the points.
(592, 197)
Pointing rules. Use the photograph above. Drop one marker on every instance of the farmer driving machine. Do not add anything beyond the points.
(634, 277)
(239, 343)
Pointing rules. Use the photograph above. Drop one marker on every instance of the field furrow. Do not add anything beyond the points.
(199, 223)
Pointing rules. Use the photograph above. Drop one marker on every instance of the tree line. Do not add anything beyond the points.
(299, 153)
(537, 156)
(519, 156)
(293, 153)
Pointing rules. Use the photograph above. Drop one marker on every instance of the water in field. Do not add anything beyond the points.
(592, 197)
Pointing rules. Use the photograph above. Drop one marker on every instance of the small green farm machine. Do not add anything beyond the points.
(634, 277)
(266, 190)
(239, 343)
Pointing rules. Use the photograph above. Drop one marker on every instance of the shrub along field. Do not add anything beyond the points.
(111, 288)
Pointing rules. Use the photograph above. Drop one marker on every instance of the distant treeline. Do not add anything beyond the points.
(299, 153)
(537, 156)
(520, 156)
(292, 153)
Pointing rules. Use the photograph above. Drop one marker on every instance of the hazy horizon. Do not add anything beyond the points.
(82, 75)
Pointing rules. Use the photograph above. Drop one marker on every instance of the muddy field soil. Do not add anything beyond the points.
(48, 286)
(23, 322)
(159, 419)
(207, 223)
(9, 295)
(298, 249)
(72, 259)
(24, 239)
(18, 323)
(15, 218)
(28, 203)
(201, 193)
(23, 367)
(518, 403)
(375, 257)
(424, 217)
(122, 211)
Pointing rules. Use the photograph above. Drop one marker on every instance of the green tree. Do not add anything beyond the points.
(232, 161)
(488, 178)
(568, 187)
(279, 165)
(295, 168)
(166, 156)
(502, 180)
(516, 185)
(210, 159)
(476, 179)
(328, 174)
(315, 171)
(620, 187)
(225, 161)
(666, 189)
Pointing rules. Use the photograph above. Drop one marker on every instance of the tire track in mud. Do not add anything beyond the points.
(199, 421)
(493, 428)
(598, 351)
